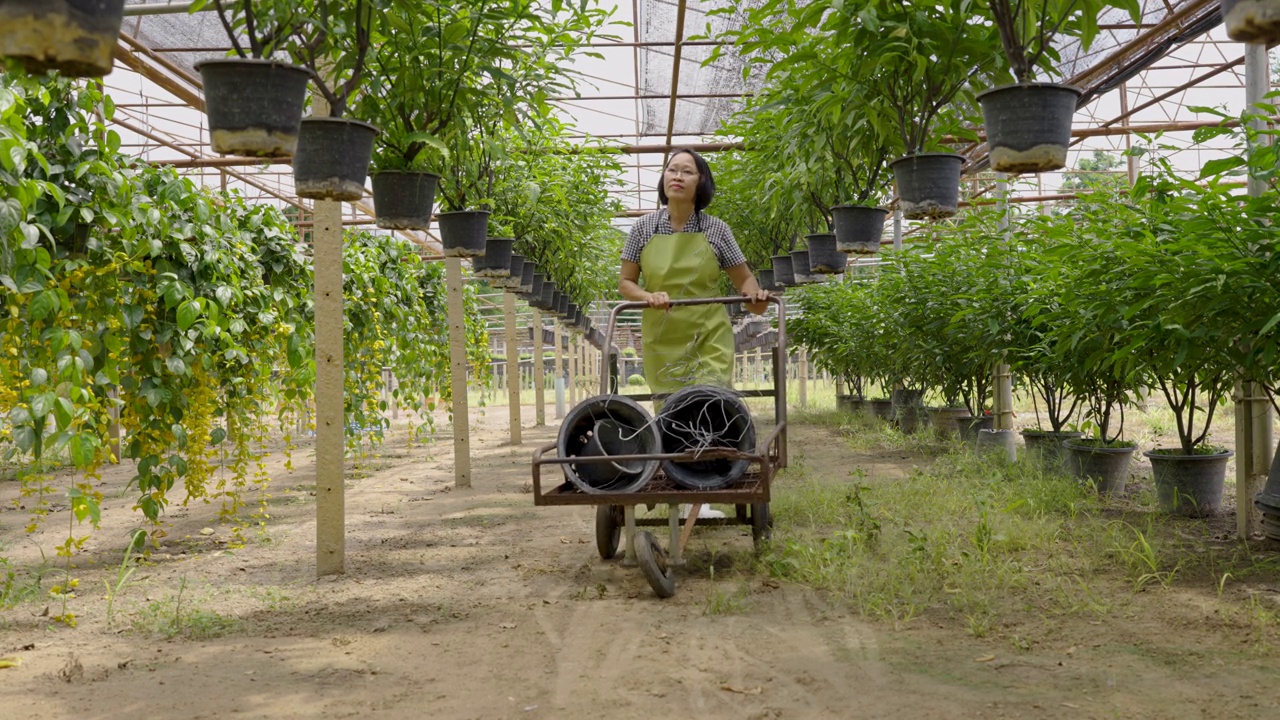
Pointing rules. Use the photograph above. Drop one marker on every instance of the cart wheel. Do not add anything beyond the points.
(653, 563)
(609, 522)
(761, 523)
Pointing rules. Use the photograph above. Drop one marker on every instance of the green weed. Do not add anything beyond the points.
(179, 616)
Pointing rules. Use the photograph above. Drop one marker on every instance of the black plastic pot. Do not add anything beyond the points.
(928, 184)
(636, 434)
(703, 416)
(1268, 501)
(800, 267)
(765, 279)
(946, 420)
(858, 229)
(254, 106)
(402, 200)
(824, 257)
(1189, 485)
(463, 233)
(511, 283)
(1047, 446)
(1107, 468)
(562, 307)
(496, 260)
(526, 278)
(1028, 125)
(881, 408)
(534, 294)
(783, 273)
(969, 427)
(548, 296)
(553, 306)
(1254, 21)
(333, 158)
(75, 37)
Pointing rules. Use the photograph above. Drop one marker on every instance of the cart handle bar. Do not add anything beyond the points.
(639, 305)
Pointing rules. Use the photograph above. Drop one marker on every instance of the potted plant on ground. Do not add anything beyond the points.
(1028, 123)
(253, 102)
(1186, 231)
(75, 37)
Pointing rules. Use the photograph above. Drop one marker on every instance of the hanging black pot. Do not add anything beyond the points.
(562, 307)
(928, 184)
(824, 257)
(75, 37)
(463, 232)
(333, 158)
(765, 280)
(526, 278)
(1028, 125)
(254, 106)
(548, 290)
(783, 272)
(1252, 21)
(800, 267)
(858, 229)
(402, 199)
(511, 283)
(534, 295)
(496, 261)
(553, 304)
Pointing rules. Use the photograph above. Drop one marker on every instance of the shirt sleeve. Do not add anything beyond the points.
(636, 241)
(726, 247)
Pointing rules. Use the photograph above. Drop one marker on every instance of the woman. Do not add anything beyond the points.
(685, 345)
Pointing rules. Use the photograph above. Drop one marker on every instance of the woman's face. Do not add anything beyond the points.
(680, 179)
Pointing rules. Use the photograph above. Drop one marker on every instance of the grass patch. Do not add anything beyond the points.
(988, 544)
(182, 615)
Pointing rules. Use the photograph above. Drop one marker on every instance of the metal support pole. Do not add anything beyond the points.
(573, 369)
(1002, 377)
(556, 337)
(458, 372)
(513, 366)
(897, 229)
(539, 372)
(1252, 410)
(804, 377)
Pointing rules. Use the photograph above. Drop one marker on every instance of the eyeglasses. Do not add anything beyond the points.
(676, 172)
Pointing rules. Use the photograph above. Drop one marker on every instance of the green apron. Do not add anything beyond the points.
(685, 345)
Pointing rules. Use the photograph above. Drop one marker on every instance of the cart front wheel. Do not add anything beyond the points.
(761, 523)
(653, 563)
(609, 522)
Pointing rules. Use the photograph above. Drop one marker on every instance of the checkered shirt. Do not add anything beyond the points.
(659, 223)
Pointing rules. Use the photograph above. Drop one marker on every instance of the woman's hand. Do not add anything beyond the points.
(759, 301)
(659, 301)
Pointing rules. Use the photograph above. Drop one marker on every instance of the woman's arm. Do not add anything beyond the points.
(745, 281)
(629, 286)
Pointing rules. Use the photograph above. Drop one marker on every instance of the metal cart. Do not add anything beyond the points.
(617, 511)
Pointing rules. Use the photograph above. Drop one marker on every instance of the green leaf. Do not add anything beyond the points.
(83, 447)
(188, 313)
(41, 404)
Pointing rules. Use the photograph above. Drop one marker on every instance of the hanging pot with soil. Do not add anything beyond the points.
(75, 37)
(333, 158)
(783, 272)
(928, 185)
(800, 268)
(402, 199)
(765, 279)
(547, 300)
(1028, 125)
(254, 106)
(463, 233)
(496, 260)
(1189, 485)
(824, 257)
(858, 229)
(1252, 21)
(1106, 467)
(526, 277)
(534, 294)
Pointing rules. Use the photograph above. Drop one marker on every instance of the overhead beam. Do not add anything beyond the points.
(675, 77)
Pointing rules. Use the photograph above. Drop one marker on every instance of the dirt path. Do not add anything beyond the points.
(475, 604)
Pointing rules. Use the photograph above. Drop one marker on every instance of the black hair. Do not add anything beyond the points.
(706, 183)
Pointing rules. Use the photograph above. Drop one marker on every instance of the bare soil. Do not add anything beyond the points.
(475, 604)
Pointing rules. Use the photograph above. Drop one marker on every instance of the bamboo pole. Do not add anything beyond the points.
(803, 369)
(458, 372)
(513, 366)
(539, 372)
(557, 334)
(573, 369)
